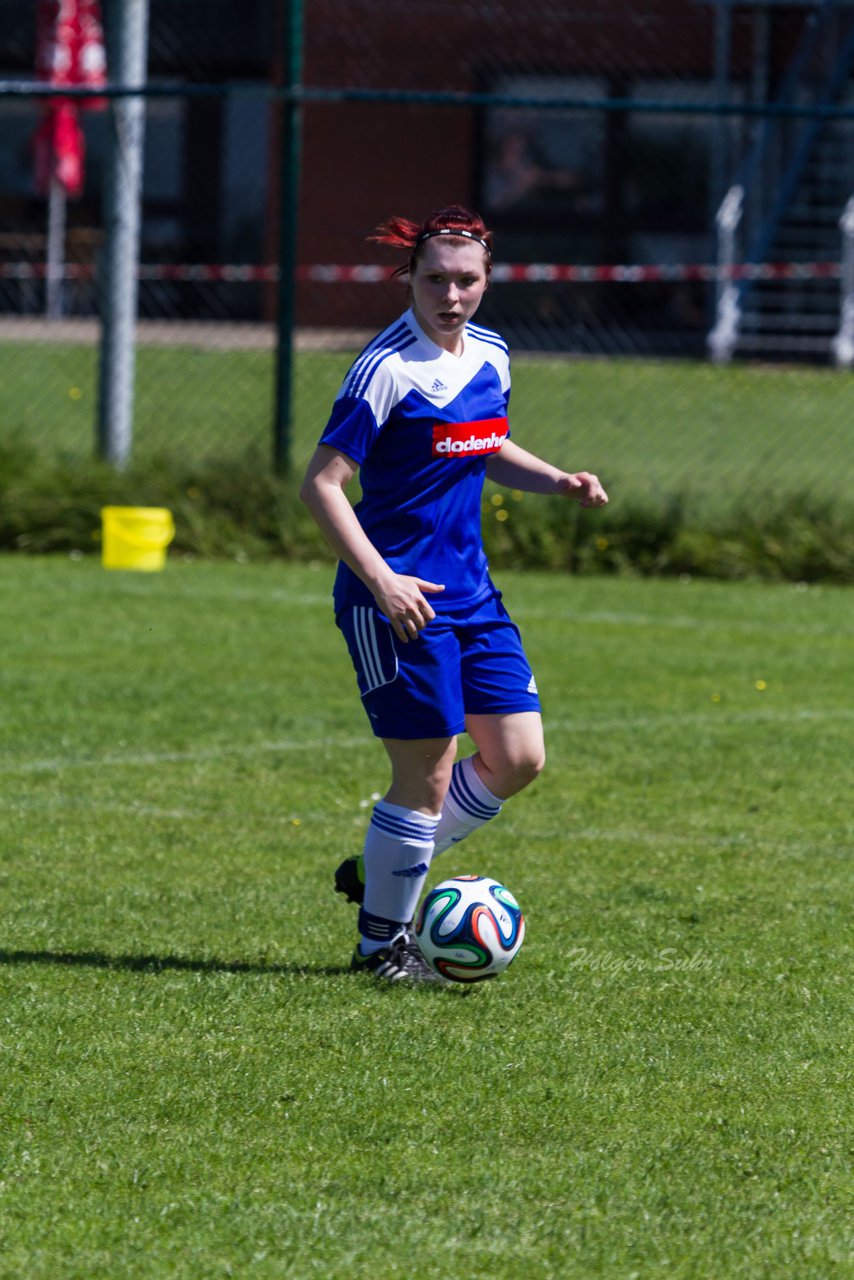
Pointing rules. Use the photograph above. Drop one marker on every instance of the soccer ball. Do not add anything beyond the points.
(469, 928)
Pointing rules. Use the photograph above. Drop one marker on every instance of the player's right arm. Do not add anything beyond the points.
(400, 597)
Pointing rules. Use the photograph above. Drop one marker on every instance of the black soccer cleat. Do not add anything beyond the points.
(400, 961)
(350, 879)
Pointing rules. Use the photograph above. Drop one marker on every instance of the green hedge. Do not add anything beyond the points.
(241, 510)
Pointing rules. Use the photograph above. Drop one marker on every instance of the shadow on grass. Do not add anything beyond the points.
(186, 964)
(158, 964)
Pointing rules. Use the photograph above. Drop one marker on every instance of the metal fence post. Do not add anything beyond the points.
(55, 277)
(124, 188)
(843, 343)
(289, 178)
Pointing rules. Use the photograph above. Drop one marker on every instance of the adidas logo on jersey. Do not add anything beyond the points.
(469, 439)
(438, 386)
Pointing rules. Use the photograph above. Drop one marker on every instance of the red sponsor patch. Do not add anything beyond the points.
(469, 439)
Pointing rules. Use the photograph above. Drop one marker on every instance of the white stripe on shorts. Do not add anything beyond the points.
(367, 643)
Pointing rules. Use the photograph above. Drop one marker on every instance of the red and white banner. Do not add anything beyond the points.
(69, 54)
(59, 150)
(70, 45)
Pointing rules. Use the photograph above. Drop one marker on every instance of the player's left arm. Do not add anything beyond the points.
(517, 469)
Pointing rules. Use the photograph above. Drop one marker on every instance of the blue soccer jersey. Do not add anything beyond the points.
(421, 423)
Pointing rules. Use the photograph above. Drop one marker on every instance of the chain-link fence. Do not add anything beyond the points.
(654, 336)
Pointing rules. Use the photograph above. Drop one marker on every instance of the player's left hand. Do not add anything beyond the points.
(584, 487)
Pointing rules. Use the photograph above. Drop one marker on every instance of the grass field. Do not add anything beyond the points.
(717, 434)
(194, 1086)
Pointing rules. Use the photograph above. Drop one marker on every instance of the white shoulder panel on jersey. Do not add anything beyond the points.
(403, 359)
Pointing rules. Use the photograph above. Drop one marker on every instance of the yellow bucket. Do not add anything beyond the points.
(135, 537)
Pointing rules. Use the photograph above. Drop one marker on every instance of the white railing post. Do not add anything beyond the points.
(724, 336)
(843, 343)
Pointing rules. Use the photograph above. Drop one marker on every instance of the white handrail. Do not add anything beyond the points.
(843, 343)
(723, 337)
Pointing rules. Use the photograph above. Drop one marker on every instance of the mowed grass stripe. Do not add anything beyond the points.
(721, 723)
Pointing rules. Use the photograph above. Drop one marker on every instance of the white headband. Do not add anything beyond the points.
(452, 231)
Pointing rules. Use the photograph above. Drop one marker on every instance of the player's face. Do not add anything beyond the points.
(448, 282)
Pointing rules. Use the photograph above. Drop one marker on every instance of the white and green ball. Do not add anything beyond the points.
(470, 928)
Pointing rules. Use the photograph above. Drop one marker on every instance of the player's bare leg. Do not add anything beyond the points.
(469, 793)
(420, 772)
(510, 750)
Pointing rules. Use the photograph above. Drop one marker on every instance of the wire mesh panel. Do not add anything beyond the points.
(597, 141)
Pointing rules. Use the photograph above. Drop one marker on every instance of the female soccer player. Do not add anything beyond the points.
(422, 416)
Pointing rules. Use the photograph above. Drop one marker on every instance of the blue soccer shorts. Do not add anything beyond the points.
(463, 663)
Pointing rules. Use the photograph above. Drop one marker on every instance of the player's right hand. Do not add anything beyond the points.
(403, 602)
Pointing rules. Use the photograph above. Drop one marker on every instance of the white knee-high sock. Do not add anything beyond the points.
(398, 849)
(468, 805)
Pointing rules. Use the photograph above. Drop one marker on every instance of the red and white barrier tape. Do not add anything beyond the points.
(562, 273)
(504, 273)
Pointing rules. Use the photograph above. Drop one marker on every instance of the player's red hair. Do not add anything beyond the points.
(402, 233)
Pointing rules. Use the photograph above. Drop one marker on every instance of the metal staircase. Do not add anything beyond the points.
(799, 315)
(781, 295)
